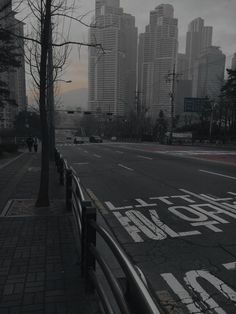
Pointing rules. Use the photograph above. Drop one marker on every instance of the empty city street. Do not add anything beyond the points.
(173, 209)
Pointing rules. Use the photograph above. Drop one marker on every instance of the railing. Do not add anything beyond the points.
(136, 297)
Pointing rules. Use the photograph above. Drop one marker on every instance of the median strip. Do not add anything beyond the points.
(127, 168)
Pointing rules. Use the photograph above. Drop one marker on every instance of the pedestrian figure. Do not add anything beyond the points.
(29, 142)
(35, 144)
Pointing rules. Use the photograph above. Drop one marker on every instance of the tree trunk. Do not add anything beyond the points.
(43, 195)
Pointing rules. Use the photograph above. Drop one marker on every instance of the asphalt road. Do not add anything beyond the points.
(173, 209)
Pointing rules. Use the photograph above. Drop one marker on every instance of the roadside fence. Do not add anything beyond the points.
(133, 297)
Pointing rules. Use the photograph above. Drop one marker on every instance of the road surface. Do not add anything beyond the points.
(173, 209)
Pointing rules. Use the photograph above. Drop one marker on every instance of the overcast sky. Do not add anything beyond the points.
(221, 14)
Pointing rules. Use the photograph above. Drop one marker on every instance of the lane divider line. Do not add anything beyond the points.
(127, 168)
(98, 156)
(217, 174)
(119, 152)
(145, 157)
(80, 163)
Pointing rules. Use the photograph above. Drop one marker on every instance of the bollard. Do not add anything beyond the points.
(69, 189)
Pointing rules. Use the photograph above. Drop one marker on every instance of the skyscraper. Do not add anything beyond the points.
(199, 37)
(158, 50)
(233, 65)
(112, 70)
(14, 78)
(184, 85)
(209, 73)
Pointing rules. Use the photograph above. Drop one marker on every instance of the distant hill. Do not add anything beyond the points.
(74, 99)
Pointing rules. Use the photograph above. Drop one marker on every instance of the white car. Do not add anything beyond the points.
(78, 140)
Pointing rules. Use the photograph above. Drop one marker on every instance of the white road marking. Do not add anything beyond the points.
(218, 174)
(112, 207)
(119, 152)
(85, 151)
(98, 156)
(209, 201)
(230, 266)
(145, 157)
(80, 163)
(179, 290)
(223, 288)
(232, 193)
(127, 168)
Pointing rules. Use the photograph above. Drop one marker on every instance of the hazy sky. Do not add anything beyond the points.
(221, 14)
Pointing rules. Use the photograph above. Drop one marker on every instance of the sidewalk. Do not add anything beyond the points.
(39, 266)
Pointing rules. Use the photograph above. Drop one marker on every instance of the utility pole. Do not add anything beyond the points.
(50, 98)
(172, 78)
(138, 111)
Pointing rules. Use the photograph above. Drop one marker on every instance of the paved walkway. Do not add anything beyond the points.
(39, 265)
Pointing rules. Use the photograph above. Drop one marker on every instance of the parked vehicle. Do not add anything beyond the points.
(78, 140)
(95, 139)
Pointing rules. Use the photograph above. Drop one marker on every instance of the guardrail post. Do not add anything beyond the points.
(89, 260)
(69, 189)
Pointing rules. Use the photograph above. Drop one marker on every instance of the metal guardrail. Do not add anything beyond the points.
(136, 297)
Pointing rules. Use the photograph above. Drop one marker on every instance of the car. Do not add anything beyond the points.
(95, 139)
(78, 140)
(113, 138)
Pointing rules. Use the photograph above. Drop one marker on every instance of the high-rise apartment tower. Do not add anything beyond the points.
(157, 57)
(112, 69)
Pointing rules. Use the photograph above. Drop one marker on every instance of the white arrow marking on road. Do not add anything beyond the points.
(218, 174)
(127, 168)
(144, 157)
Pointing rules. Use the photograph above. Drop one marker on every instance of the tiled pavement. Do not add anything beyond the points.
(39, 265)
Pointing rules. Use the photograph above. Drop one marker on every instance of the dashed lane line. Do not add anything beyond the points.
(98, 156)
(119, 152)
(217, 174)
(127, 168)
(80, 163)
(145, 157)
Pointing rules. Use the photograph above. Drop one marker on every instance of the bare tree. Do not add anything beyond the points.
(38, 44)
